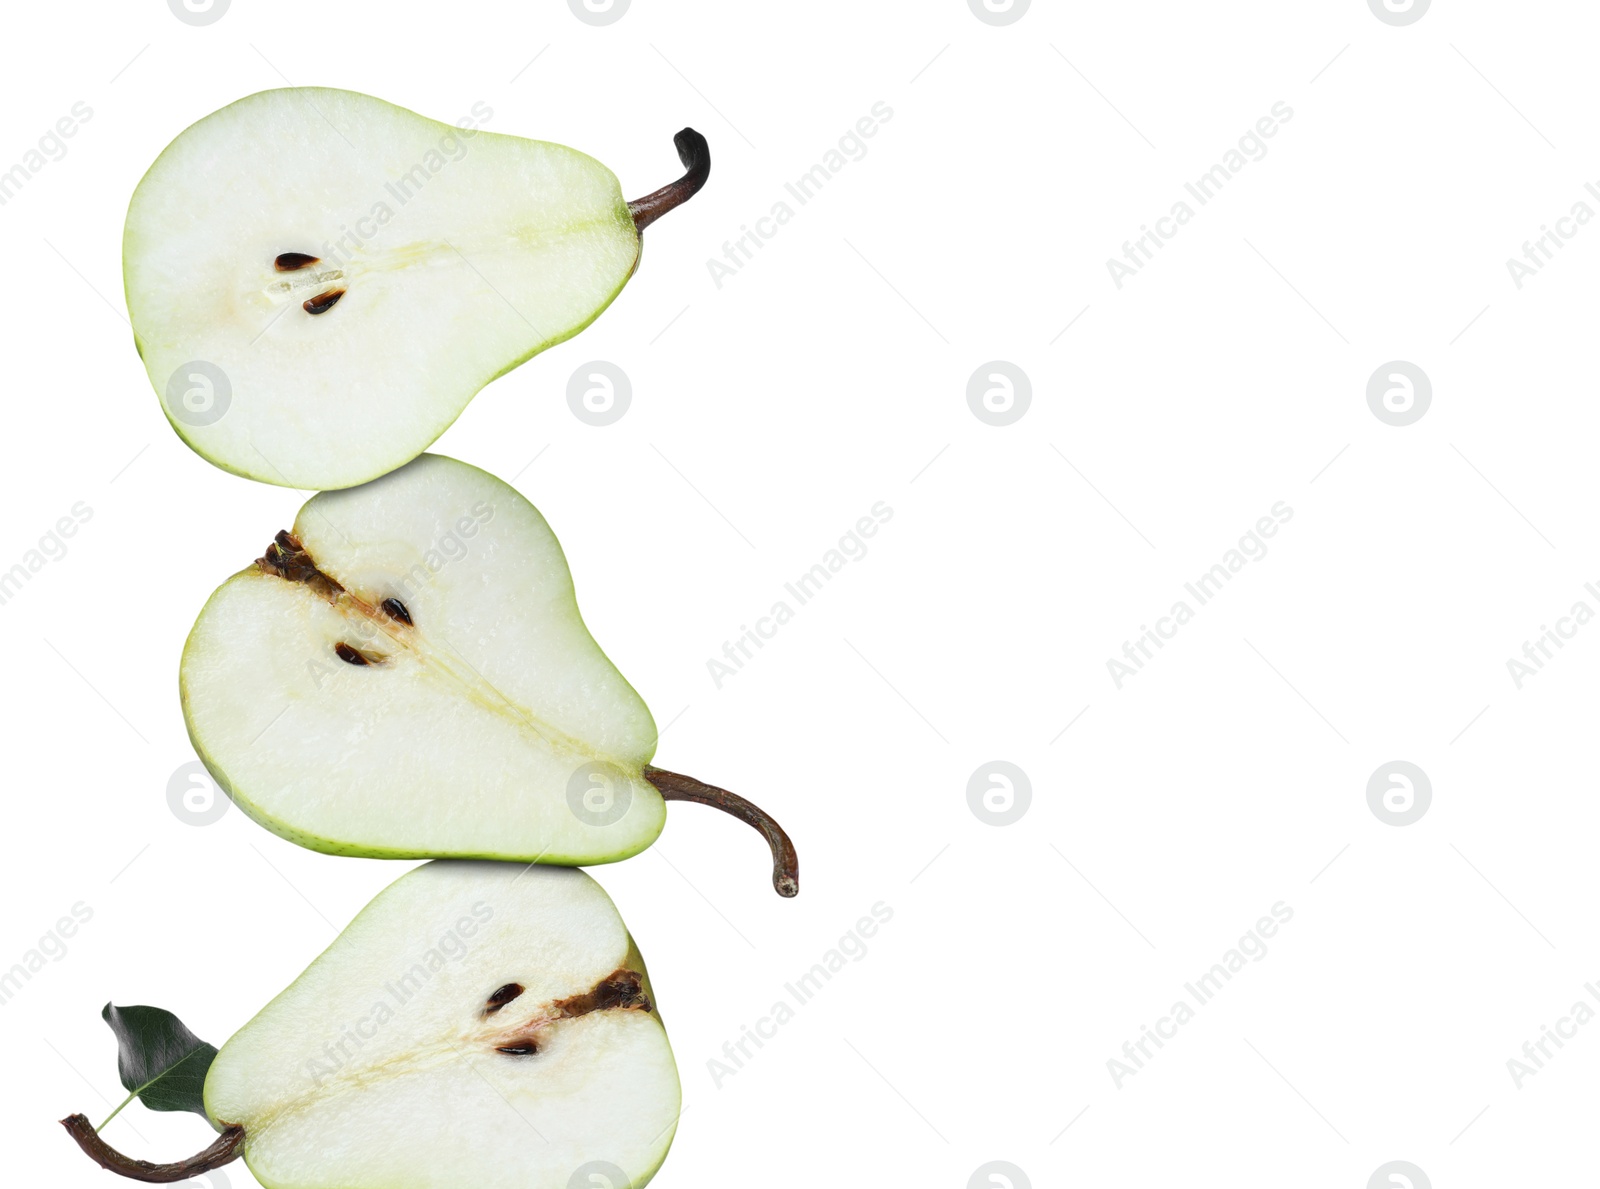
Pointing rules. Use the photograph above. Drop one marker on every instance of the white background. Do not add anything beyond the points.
(830, 373)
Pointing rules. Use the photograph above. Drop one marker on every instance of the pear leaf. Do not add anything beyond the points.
(159, 1059)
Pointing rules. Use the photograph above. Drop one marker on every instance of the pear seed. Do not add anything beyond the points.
(322, 302)
(502, 997)
(395, 609)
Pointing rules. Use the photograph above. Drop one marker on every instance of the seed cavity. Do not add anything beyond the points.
(502, 997)
(349, 655)
(621, 990)
(322, 302)
(287, 558)
(395, 609)
(294, 261)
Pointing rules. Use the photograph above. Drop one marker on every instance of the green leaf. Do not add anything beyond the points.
(159, 1059)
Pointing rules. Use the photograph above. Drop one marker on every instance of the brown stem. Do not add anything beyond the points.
(696, 157)
(224, 1151)
(785, 863)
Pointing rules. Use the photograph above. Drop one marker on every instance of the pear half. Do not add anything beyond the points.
(477, 1024)
(406, 675)
(319, 281)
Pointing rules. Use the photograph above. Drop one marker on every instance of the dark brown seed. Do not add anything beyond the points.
(395, 609)
(294, 261)
(322, 302)
(502, 997)
(518, 1050)
(349, 655)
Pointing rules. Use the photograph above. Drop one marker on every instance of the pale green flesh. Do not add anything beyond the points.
(462, 254)
(378, 1067)
(493, 726)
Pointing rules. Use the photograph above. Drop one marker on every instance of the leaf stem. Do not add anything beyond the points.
(674, 786)
(118, 1111)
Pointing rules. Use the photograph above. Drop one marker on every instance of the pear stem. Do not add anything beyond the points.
(674, 786)
(696, 157)
(226, 1150)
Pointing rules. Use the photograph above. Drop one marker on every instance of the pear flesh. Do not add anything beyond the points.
(407, 674)
(320, 281)
(477, 1024)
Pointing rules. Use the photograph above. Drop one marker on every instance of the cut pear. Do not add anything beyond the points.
(406, 674)
(319, 281)
(477, 1024)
